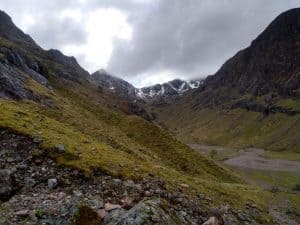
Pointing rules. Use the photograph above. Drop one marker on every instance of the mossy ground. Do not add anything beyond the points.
(281, 183)
(121, 145)
(235, 128)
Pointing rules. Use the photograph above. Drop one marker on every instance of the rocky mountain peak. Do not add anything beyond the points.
(114, 84)
(269, 66)
(168, 90)
(285, 26)
(9, 31)
(155, 92)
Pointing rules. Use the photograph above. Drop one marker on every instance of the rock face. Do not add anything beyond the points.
(9, 31)
(268, 67)
(21, 59)
(114, 84)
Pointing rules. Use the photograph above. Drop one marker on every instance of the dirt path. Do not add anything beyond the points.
(252, 159)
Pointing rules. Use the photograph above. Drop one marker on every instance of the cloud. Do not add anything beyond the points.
(191, 38)
(84, 29)
(147, 41)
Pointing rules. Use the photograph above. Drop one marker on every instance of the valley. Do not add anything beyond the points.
(91, 149)
(278, 175)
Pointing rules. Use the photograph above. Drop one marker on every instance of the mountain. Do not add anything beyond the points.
(167, 91)
(73, 152)
(159, 93)
(253, 100)
(116, 85)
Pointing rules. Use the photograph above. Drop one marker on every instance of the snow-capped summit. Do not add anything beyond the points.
(172, 88)
(125, 90)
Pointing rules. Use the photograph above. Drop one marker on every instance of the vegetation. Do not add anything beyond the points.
(235, 128)
(120, 145)
(98, 135)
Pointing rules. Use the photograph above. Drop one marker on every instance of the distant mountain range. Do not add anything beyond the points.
(159, 92)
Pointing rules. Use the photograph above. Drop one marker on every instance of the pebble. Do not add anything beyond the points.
(212, 221)
(109, 207)
(22, 213)
(60, 148)
(129, 183)
(10, 160)
(117, 181)
(184, 185)
(101, 213)
(127, 203)
(52, 183)
(147, 193)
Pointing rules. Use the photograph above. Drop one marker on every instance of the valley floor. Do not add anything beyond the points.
(277, 172)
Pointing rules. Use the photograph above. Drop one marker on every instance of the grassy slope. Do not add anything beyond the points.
(95, 136)
(121, 145)
(235, 128)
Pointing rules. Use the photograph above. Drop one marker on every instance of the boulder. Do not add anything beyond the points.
(212, 221)
(52, 183)
(145, 212)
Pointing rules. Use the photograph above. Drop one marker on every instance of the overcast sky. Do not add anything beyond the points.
(146, 41)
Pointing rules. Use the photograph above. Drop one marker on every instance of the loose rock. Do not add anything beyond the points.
(212, 221)
(52, 183)
(22, 213)
(108, 206)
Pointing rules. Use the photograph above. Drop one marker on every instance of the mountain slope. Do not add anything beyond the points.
(49, 99)
(253, 100)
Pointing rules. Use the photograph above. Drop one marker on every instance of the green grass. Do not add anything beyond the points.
(285, 180)
(132, 157)
(282, 155)
(233, 128)
(291, 104)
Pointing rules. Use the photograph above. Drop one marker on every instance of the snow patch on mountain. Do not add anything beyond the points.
(126, 90)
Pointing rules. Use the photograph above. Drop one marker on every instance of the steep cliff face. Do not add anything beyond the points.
(269, 67)
(21, 59)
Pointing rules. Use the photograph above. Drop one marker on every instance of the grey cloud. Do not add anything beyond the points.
(57, 32)
(50, 29)
(192, 38)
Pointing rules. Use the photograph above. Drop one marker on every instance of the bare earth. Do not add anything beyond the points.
(252, 159)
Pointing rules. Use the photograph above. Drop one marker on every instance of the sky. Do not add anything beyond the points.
(146, 41)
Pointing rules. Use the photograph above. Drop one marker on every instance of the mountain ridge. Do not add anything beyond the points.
(164, 92)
